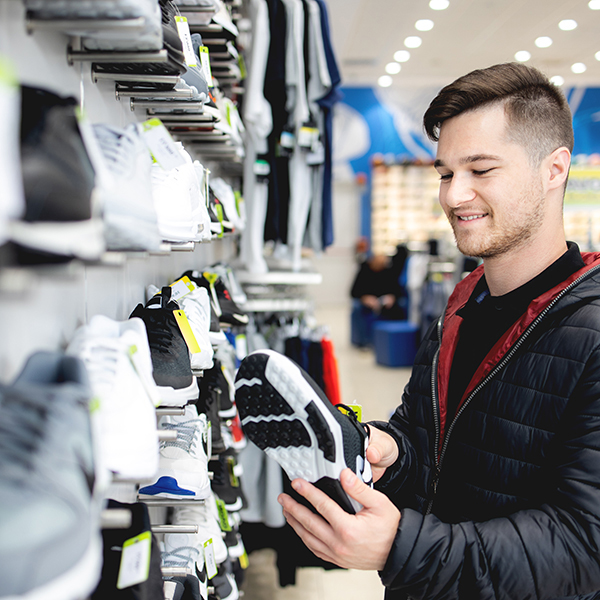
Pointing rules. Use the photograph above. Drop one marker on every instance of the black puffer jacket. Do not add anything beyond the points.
(504, 501)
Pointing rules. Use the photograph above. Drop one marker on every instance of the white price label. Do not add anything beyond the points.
(161, 144)
(135, 561)
(182, 287)
(205, 63)
(209, 559)
(183, 29)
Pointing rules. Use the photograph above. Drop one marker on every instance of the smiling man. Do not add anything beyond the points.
(488, 474)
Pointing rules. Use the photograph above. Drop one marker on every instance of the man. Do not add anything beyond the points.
(488, 474)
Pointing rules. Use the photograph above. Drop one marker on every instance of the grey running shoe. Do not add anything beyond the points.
(50, 544)
(286, 414)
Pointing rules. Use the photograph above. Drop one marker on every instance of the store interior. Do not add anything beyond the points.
(172, 175)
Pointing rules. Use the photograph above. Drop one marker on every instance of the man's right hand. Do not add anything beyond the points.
(382, 452)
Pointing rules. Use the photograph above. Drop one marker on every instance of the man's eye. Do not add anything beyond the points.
(446, 177)
(482, 172)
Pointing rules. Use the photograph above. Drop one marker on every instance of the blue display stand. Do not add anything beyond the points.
(395, 343)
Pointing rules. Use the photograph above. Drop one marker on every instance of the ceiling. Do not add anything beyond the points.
(469, 34)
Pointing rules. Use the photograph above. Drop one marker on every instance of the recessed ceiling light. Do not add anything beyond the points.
(578, 68)
(413, 41)
(522, 55)
(392, 68)
(401, 55)
(594, 4)
(441, 4)
(424, 25)
(567, 25)
(597, 56)
(385, 81)
(557, 80)
(543, 42)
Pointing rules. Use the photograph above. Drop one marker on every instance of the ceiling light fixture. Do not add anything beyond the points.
(578, 68)
(384, 81)
(424, 25)
(594, 4)
(393, 68)
(401, 55)
(442, 4)
(567, 24)
(413, 41)
(543, 42)
(522, 55)
(557, 80)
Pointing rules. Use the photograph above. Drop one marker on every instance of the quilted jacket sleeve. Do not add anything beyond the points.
(552, 551)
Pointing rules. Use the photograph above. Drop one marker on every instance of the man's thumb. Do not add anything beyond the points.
(357, 489)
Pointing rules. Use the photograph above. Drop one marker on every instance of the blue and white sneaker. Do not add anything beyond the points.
(285, 413)
(183, 471)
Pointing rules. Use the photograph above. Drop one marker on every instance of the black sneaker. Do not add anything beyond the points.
(286, 414)
(231, 313)
(170, 355)
(208, 403)
(225, 483)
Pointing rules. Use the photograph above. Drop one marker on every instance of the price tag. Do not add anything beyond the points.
(241, 346)
(186, 331)
(261, 168)
(182, 287)
(209, 559)
(161, 144)
(135, 561)
(205, 63)
(307, 136)
(316, 156)
(356, 409)
(183, 29)
(244, 562)
(287, 139)
(223, 516)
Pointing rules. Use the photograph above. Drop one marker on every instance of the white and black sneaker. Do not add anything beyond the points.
(286, 414)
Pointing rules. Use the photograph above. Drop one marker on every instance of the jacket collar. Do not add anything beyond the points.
(452, 322)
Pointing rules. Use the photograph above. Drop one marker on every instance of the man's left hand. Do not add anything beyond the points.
(361, 541)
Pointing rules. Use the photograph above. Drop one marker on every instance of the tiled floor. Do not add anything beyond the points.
(378, 390)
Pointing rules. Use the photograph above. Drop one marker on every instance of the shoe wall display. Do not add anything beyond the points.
(121, 443)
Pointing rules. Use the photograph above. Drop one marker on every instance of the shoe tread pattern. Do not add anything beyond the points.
(274, 434)
(321, 428)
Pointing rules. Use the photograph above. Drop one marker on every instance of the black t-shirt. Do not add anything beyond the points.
(486, 318)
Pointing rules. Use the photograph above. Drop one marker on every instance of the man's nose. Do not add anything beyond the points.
(457, 191)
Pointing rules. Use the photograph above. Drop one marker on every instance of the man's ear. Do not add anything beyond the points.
(558, 164)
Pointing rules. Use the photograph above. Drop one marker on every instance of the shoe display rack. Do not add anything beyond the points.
(404, 206)
(42, 305)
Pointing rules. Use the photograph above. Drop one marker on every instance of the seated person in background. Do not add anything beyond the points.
(378, 288)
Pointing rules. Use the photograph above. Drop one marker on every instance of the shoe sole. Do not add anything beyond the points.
(178, 397)
(285, 415)
(168, 487)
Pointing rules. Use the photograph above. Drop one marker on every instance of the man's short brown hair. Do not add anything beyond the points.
(539, 117)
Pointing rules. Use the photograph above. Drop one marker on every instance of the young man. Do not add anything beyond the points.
(488, 474)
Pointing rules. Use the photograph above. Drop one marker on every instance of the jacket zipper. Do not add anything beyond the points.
(439, 456)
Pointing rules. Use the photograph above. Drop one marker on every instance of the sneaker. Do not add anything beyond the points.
(204, 217)
(51, 506)
(287, 415)
(225, 483)
(231, 313)
(224, 192)
(123, 165)
(216, 379)
(177, 200)
(61, 217)
(224, 583)
(183, 469)
(206, 516)
(13, 199)
(183, 588)
(208, 403)
(184, 557)
(172, 369)
(118, 362)
(227, 274)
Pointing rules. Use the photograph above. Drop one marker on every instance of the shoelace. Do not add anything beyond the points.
(117, 147)
(188, 433)
(22, 426)
(159, 338)
(184, 556)
(101, 357)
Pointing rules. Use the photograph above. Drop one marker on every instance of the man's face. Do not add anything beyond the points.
(491, 195)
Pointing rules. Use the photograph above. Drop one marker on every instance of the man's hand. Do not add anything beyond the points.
(382, 451)
(371, 302)
(361, 541)
(388, 300)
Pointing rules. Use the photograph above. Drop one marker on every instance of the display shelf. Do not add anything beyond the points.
(97, 56)
(278, 305)
(80, 26)
(280, 278)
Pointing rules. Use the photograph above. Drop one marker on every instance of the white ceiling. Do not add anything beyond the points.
(470, 34)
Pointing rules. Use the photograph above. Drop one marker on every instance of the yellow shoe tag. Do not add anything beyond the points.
(135, 560)
(186, 331)
(356, 409)
(244, 562)
(233, 478)
(182, 287)
(223, 516)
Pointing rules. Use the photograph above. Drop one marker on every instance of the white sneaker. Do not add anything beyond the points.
(206, 516)
(224, 192)
(183, 471)
(122, 164)
(117, 358)
(177, 199)
(13, 199)
(196, 306)
(204, 217)
(227, 274)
